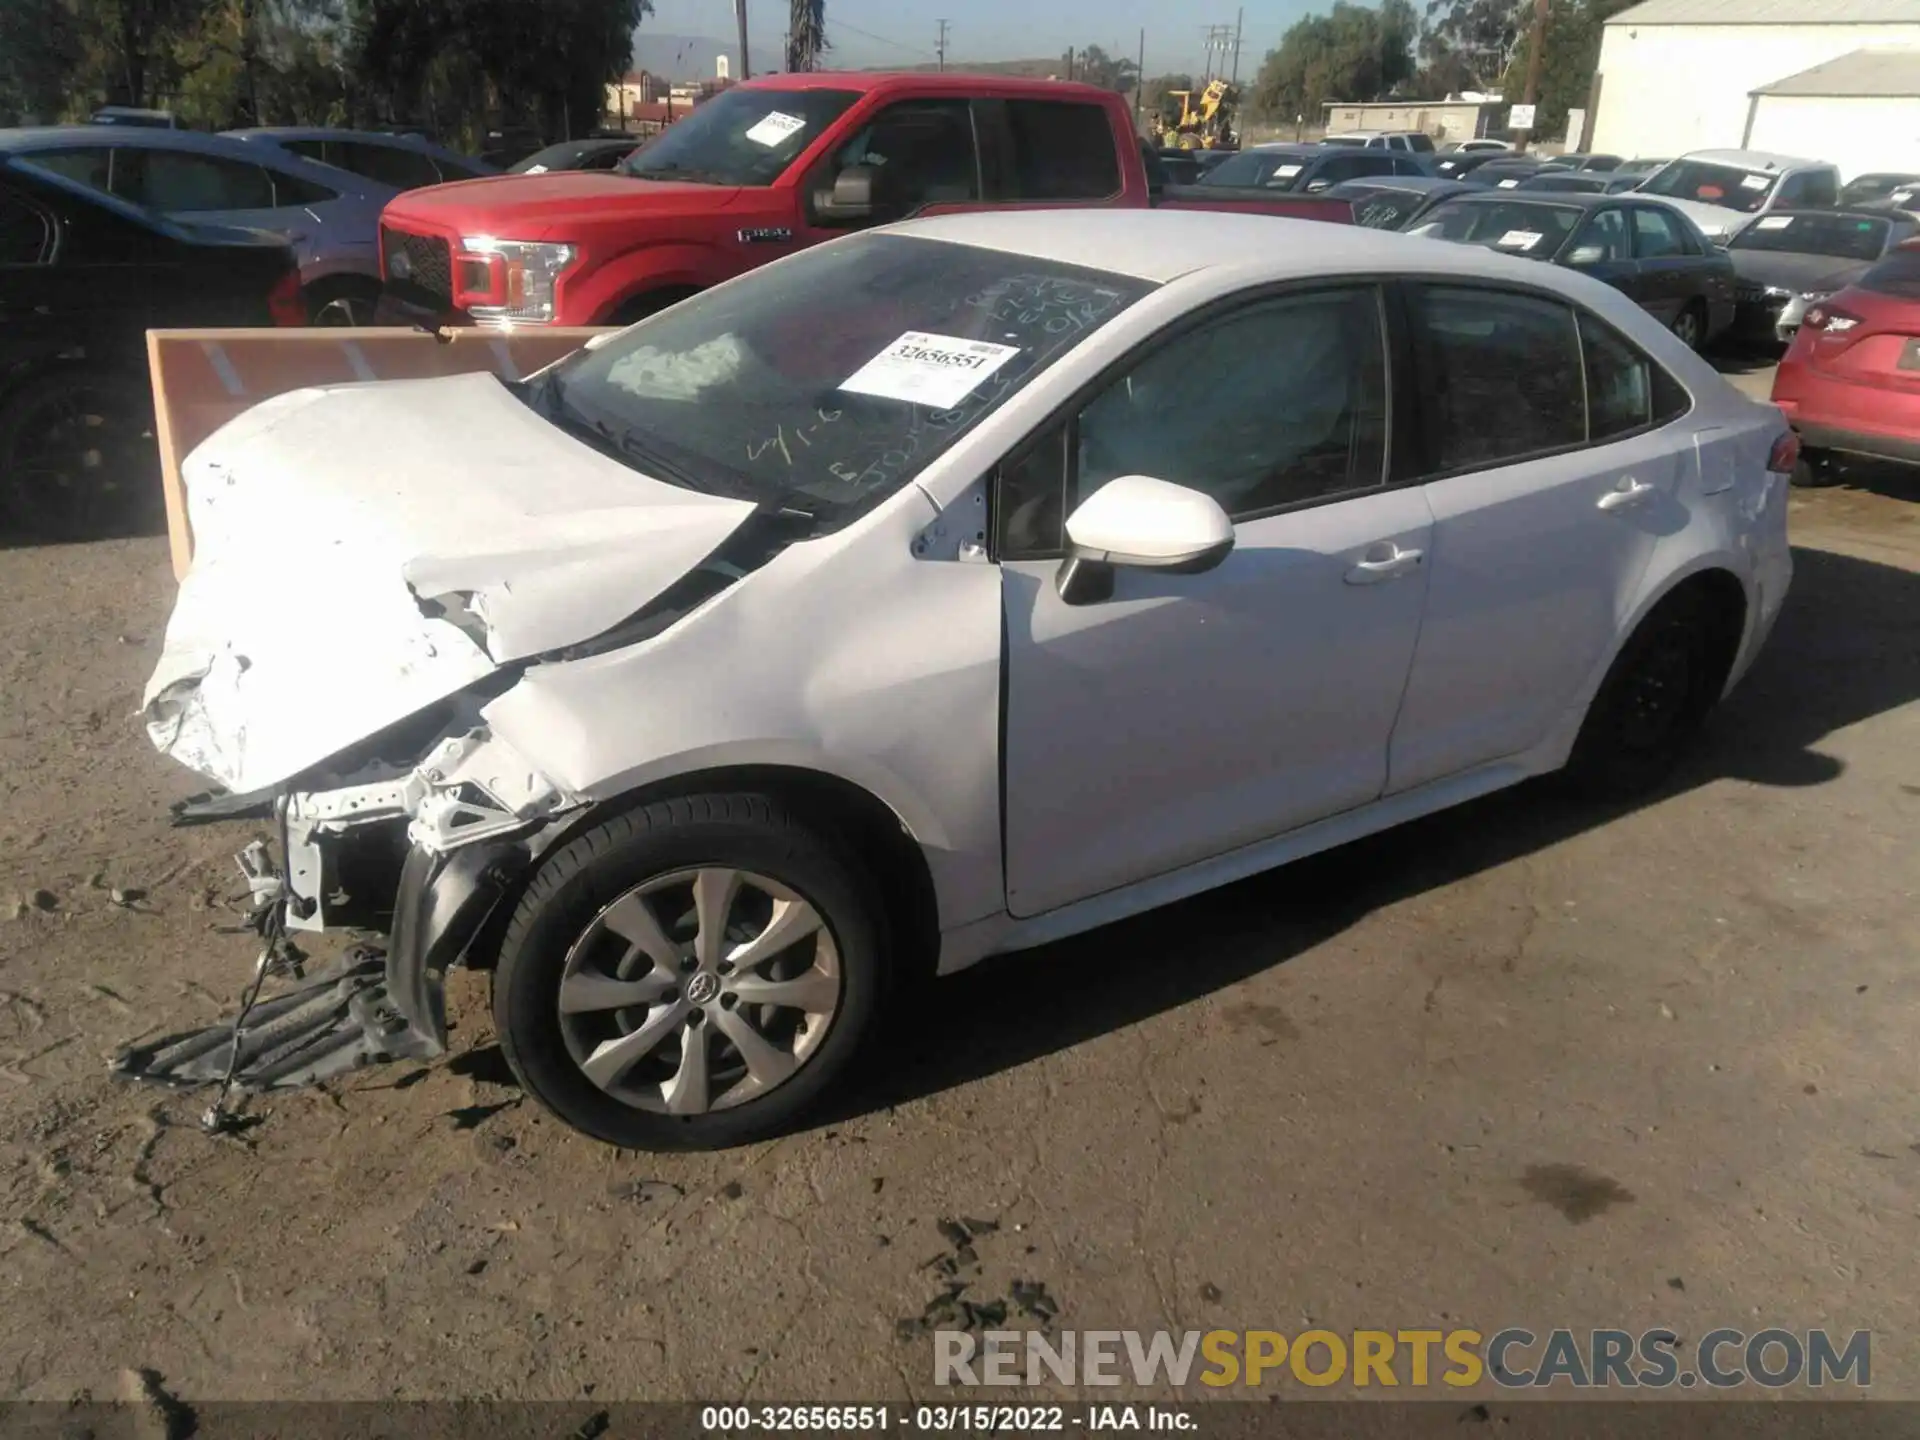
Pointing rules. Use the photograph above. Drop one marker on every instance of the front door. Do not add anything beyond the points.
(1187, 715)
(1666, 268)
(1547, 508)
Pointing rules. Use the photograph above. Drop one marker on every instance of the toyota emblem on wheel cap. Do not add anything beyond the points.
(702, 988)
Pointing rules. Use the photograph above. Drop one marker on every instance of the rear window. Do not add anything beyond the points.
(1728, 186)
(1061, 151)
(1897, 274)
(1535, 231)
(1273, 170)
(1845, 237)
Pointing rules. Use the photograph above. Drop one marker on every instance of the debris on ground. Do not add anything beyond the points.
(45, 900)
(1210, 1293)
(124, 898)
(732, 1190)
(646, 1192)
(959, 1304)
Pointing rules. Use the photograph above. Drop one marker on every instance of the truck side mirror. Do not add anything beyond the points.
(851, 199)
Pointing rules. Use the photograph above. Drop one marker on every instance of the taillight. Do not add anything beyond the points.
(1829, 320)
(284, 302)
(1785, 454)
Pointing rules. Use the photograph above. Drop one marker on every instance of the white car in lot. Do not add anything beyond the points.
(938, 592)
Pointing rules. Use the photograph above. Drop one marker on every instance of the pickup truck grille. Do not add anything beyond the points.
(418, 266)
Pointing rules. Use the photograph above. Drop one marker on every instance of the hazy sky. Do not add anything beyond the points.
(875, 32)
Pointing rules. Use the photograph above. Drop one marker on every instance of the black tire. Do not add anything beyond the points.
(1651, 705)
(344, 302)
(639, 307)
(740, 831)
(1690, 325)
(78, 459)
(1814, 471)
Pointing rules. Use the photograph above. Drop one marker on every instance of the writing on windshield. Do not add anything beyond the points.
(825, 382)
(739, 137)
(1727, 186)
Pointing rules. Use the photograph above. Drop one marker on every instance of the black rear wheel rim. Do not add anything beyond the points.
(1659, 693)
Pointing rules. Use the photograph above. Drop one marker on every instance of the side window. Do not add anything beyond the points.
(922, 153)
(1407, 165)
(1809, 188)
(1625, 390)
(293, 190)
(23, 232)
(320, 150)
(454, 170)
(1655, 236)
(1061, 151)
(1501, 376)
(181, 182)
(393, 165)
(1337, 168)
(1603, 238)
(90, 167)
(1282, 401)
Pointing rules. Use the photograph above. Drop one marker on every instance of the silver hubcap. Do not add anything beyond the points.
(343, 311)
(699, 990)
(1687, 328)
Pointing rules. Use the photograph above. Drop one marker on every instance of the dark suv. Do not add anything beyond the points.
(1309, 169)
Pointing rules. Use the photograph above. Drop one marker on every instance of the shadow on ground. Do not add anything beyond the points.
(1846, 648)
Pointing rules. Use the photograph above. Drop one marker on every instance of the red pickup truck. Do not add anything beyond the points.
(759, 171)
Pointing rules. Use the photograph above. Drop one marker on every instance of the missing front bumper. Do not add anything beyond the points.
(370, 1008)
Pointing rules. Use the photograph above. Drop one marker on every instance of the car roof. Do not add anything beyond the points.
(1751, 159)
(197, 142)
(326, 132)
(1574, 199)
(934, 83)
(1286, 147)
(1163, 245)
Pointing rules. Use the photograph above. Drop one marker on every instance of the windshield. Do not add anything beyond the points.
(1275, 170)
(740, 136)
(1516, 228)
(1727, 186)
(1865, 189)
(822, 384)
(1845, 237)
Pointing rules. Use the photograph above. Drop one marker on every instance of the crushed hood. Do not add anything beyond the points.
(361, 551)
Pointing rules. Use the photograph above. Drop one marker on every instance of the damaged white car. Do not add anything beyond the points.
(932, 593)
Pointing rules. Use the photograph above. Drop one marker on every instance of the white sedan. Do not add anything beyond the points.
(936, 592)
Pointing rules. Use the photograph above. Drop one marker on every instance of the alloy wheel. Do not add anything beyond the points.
(698, 990)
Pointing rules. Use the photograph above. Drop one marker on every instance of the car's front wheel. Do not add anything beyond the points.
(691, 974)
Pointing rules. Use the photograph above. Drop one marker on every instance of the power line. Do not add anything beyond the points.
(882, 39)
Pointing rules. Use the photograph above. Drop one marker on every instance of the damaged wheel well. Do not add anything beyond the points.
(870, 830)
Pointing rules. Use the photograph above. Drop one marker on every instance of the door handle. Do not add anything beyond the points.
(1624, 496)
(1385, 561)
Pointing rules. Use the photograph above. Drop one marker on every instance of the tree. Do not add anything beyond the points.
(41, 49)
(1350, 53)
(1569, 58)
(1154, 89)
(806, 34)
(1094, 66)
(1472, 42)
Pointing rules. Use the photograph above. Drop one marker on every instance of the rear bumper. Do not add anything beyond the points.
(1871, 444)
(1854, 419)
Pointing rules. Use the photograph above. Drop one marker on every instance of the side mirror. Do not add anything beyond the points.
(1587, 255)
(1145, 524)
(850, 200)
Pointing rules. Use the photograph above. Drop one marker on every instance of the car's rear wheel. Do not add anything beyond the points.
(1690, 325)
(78, 459)
(692, 974)
(1814, 469)
(1652, 703)
(342, 303)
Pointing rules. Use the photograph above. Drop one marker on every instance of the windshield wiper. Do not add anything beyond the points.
(672, 170)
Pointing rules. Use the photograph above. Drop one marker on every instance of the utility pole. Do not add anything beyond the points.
(940, 45)
(1534, 48)
(1217, 39)
(740, 16)
(1139, 77)
(1239, 20)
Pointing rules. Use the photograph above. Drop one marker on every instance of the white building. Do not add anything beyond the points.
(1679, 75)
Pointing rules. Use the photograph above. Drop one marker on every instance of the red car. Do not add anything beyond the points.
(762, 170)
(1850, 382)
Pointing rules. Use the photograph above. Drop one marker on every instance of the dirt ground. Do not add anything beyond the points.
(1519, 1064)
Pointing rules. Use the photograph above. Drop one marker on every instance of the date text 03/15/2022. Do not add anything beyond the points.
(943, 1419)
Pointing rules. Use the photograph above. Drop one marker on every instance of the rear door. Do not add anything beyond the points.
(1666, 271)
(1551, 475)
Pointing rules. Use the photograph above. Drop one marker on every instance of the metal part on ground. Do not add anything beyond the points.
(334, 1023)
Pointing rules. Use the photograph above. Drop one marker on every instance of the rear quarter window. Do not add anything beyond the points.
(1061, 151)
(1898, 274)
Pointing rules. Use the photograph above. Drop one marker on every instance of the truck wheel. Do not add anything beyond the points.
(77, 458)
(638, 307)
(342, 302)
(693, 974)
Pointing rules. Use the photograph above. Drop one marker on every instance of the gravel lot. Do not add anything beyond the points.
(1519, 1064)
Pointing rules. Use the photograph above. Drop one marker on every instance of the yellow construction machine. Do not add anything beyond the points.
(1205, 124)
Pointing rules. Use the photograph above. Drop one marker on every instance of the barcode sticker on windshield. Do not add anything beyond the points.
(1519, 239)
(1773, 222)
(1755, 182)
(1508, 184)
(935, 370)
(775, 127)
(1287, 172)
